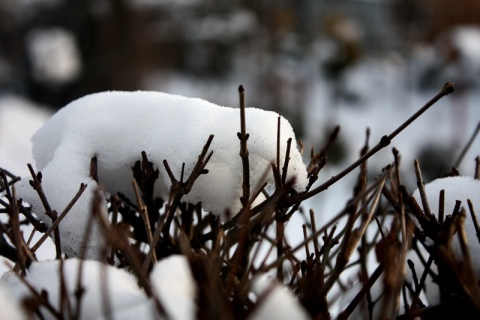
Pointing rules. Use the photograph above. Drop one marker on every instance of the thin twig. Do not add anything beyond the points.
(36, 183)
(421, 189)
(474, 219)
(287, 160)
(467, 147)
(243, 136)
(384, 141)
(144, 214)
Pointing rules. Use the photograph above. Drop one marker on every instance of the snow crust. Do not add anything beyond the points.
(117, 126)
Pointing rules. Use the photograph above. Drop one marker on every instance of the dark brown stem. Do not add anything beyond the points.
(474, 219)
(243, 136)
(477, 168)
(421, 189)
(287, 159)
(94, 168)
(441, 206)
(345, 314)
(36, 183)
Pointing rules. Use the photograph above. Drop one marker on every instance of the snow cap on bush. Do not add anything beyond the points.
(117, 126)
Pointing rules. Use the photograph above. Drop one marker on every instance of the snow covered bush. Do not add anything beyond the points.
(115, 128)
(166, 207)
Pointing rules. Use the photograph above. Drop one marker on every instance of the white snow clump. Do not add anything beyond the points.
(117, 126)
(279, 302)
(172, 280)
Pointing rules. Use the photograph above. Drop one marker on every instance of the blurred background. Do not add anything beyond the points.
(320, 63)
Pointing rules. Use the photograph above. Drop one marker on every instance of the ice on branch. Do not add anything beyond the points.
(117, 126)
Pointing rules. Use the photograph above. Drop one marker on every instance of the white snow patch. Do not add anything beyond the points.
(173, 282)
(11, 307)
(117, 126)
(279, 302)
(97, 279)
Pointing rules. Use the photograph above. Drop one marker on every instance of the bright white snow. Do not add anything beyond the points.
(11, 308)
(173, 282)
(276, 301)
(117, 126)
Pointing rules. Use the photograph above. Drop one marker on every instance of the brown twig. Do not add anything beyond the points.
(421, 189)
(345, 314)
(55, 224)
(36, 184)
(180, 188)
(477, 168)
(143, 210)
(243, 136)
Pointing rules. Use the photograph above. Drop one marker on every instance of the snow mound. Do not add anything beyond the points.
(278, 301)
(99, 281)
(173, 282)
(117, 126)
